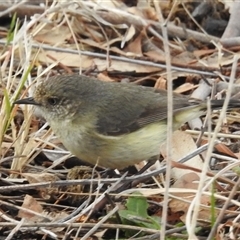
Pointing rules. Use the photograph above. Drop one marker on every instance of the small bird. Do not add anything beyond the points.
(112, 124)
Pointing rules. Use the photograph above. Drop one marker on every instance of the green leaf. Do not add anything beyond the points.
(137, 215)
(138, 204)
(213, 205)
(13, 25)
(8, 110)
(236, 170)
(22, 82)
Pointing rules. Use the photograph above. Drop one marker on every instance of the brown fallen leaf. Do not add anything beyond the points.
(68, 59)
(135, 46)
(31, 204)
(45, 192)
(124, 66)
(182, 144)
(56, 35)
(221, 148)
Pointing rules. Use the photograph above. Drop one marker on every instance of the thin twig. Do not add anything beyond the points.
(206, 71)
(169, 120)
(12, 8)
(98, 225)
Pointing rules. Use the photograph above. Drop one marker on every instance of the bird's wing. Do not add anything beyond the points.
(138, 112)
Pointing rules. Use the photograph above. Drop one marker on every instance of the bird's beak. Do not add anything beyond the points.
(29, 101)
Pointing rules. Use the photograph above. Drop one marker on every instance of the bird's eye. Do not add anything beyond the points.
(53, 101)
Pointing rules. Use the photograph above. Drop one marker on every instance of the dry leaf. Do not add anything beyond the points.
(203, 52)
(128, 35)
(182, 145)
(68, 59)
(40, 177)
(105, 78)
(189, 181)
(124, 66)
(135, 46)
(215, 61)
(45, 192)
(223, 149)
(144, 12)
(31, 204)
(155, 55)
(161, 83)
(53, 35)
(184, 58)
(185, 87)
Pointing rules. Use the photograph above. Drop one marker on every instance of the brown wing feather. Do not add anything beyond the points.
(147, 106)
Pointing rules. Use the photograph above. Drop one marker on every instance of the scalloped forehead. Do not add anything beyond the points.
(64, 86)
(57, 84)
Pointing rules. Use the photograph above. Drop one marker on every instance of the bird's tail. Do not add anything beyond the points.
(217, 104)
